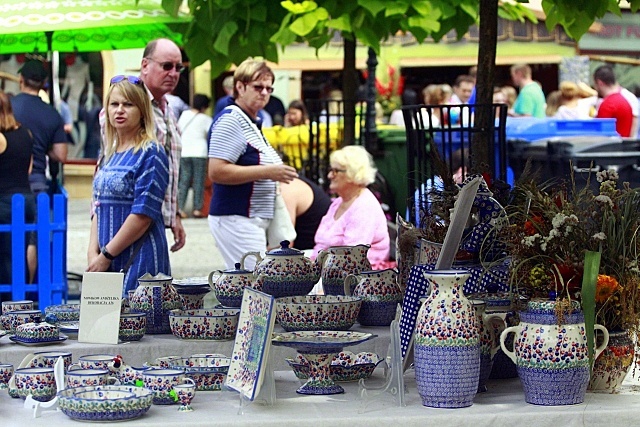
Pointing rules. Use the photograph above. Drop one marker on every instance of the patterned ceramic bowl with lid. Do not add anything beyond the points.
(317, 312)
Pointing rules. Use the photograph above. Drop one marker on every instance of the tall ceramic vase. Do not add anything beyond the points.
(156, 297)
(551, 354)
(447, 343)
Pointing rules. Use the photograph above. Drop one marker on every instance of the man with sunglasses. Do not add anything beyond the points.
(160, 71)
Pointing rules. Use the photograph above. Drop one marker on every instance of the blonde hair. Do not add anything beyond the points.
(569, 90)
(358, 163)
(523, 69)
(138, 96)
(250, 70)
(554, 101)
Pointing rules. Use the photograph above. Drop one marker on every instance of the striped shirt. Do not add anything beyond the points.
(236, 139)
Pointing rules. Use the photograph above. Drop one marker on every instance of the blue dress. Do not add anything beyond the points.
(134, 183)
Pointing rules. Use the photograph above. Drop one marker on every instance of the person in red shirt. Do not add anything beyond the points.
(614, 104)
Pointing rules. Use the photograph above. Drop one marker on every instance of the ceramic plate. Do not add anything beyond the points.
(17, 340)
(320, 339)
(253, 339)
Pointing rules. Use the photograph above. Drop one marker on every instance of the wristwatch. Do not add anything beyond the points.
(106, 253)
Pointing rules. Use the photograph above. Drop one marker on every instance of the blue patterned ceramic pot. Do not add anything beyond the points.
(380, 295)
(489, 344)
(156, 296)
(284, 272)
(229, 286)
(447, 343)
(338, 262)
(551, 354)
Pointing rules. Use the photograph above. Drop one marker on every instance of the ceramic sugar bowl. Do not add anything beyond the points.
(380, 295)
(230, 285)
(284, 272)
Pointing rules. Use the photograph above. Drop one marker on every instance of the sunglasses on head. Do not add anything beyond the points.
(132, 79)
(168, 66)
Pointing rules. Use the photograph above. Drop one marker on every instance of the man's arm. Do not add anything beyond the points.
(58, 152)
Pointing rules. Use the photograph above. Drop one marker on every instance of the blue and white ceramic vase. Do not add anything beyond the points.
(447, 343)
(551, 354)
(156, 297)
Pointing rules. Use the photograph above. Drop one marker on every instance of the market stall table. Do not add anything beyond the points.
(502, 405)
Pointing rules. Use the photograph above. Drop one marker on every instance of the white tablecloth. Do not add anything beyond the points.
(502, 405)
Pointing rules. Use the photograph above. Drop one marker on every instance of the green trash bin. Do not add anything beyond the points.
(392, 163)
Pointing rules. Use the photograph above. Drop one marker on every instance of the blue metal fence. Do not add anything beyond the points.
(51, 231)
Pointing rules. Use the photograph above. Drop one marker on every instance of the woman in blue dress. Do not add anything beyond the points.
(127, 230)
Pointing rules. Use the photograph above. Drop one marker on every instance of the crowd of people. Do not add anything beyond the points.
(155, 149)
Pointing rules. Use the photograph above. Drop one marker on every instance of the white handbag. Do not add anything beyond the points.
(280, 228)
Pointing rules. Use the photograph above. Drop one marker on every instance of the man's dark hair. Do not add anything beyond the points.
(464, 78)
(200, 101)
(605, 74)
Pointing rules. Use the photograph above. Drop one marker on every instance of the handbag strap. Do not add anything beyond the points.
(136, 250)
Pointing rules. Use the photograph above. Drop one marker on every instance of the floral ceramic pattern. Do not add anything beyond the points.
(6, 372)
(132, 326)
(87, 377)
(345, 366)
(286, 276)
(338, 262)
(8, 306)
(208, 372)
(380, 296)
(185, 393)
(317, 312)
(613, 364)
(161, 382)
(38, 382)
(37, 332)
(47, 359)
(156, 297)
(105, 403)
(251, 347)
(62, 313)
(229, 289)
(17, 318)
(204, 324)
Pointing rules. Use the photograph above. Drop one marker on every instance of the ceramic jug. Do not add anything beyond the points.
(337, 262)
(447, 343)
(230, 285)
(488, 324)
(380, 295)
(284, 272)
(551, 354)
(156, 297)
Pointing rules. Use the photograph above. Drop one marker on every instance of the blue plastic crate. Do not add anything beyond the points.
(531, 129)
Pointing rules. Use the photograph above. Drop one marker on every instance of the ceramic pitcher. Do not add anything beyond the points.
(380, 295)
(230, 285)
(156, 297)
(489, 343)
(337, 262)
(551, 354)
(447, 343)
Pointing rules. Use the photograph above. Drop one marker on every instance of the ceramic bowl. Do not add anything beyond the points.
(133, 325)
(62, 313)
(345, 366)
(205, 324)
(209, 372)
(192, 292)
(317, 312)
(37, 382)
(105, 403)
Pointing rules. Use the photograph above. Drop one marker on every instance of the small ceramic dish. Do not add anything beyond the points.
(105, 403)
(204, 324)
(317, 312)
(345, 366)
(208, 371)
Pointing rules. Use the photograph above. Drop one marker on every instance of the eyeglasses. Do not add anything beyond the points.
(132, 79)
(168, 66)
(335, 170)
(260, 88)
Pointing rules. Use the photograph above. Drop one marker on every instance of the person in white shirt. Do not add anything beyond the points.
(194, 126)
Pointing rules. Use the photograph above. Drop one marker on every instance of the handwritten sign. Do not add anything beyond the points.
(100, 303)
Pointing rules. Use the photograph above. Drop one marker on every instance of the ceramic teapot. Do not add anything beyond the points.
(380, 295)
(284, 272)
(230, 284)
(337, 262)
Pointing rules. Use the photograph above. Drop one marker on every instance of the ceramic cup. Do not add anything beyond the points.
(8, 306)
(185, 393)
(90, 377)
(93, 361)
(161, 382)
(164, 362)
(6, 372)
(47, 359)
(20, 317)
(37, 382)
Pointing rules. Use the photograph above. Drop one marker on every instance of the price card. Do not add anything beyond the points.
(100, 303)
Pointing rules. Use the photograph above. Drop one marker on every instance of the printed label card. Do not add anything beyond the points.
(100, 304)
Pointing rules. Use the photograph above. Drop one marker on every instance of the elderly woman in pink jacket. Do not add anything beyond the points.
(355, 217)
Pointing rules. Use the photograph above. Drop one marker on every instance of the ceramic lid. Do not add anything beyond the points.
(285, 250)
(237, 270)
(36, 326)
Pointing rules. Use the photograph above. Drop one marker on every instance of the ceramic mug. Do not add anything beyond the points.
(164, 362)
(40, 383)
(20, 317)
(8, 306)
(6, 372)
(185, 393)
(93, 361)
(161, 382)
(47, 359)
(90, 377)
